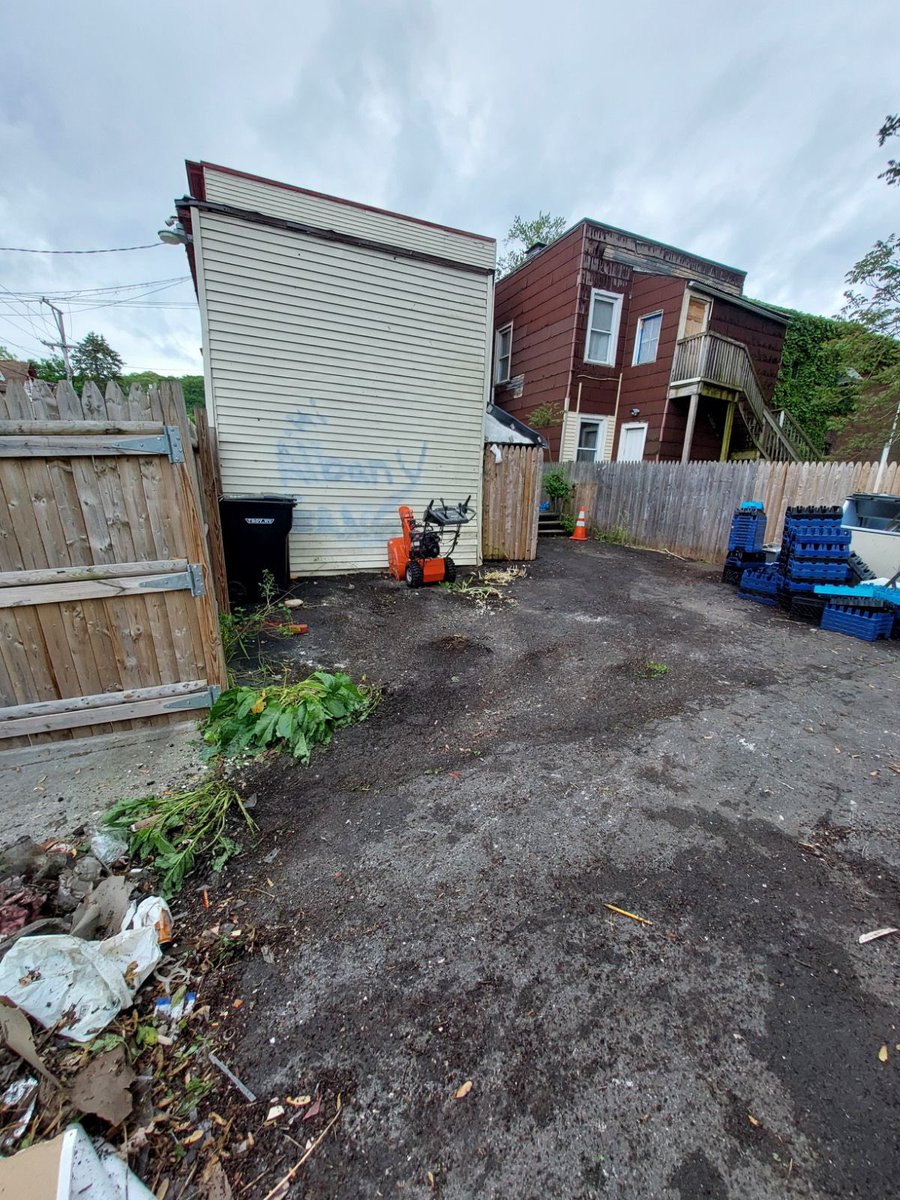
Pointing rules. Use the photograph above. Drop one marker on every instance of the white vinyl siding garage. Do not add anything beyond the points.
(343, 375)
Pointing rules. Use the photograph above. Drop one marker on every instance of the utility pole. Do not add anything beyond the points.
(62, 344)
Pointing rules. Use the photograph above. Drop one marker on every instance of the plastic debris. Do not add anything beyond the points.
(624, 913)
(18, 1102)
(75, 985)
(877, 933)
(463, 1090)
(229, 1074)
(152, 913)
(108, 846)
(69, 1166)
(275, 1111)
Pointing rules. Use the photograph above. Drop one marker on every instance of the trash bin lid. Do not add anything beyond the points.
(291, 500)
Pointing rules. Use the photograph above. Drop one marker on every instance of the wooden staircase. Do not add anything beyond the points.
(549, 525)
(710, 358)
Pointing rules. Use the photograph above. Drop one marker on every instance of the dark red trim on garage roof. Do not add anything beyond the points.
(196, 181)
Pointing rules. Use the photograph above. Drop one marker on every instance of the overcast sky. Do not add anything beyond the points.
(744, 131)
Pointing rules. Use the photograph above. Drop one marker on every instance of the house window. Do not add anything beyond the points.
(503, 354)
(647, 339)
(603, 327)
(590, 441)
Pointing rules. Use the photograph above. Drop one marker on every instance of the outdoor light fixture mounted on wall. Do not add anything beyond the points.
(174, 233)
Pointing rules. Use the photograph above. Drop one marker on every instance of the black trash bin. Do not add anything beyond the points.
(255, 537)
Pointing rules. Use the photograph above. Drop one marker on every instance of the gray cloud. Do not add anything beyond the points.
(743, 132)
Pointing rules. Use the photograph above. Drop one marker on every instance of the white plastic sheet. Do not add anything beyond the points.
(82, 985)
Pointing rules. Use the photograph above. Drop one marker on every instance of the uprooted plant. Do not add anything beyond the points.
(295, 716)
(178, 830)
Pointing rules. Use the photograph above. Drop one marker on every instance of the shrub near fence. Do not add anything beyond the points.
(688, 508)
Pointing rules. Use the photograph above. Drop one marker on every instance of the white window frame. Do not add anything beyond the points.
(616, 298)
(600, 422)
(635, 361)
(507, 328)
(632, 425)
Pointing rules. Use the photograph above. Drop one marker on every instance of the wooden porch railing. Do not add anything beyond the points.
(712, 358)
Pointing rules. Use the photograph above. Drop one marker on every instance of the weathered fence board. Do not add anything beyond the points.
(687, 508)
(106, 589)
(510, 502)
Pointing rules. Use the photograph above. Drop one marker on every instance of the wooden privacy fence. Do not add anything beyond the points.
(510, 502)
(108, 614)
(688, 508)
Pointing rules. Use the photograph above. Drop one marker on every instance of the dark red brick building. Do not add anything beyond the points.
(632, 349)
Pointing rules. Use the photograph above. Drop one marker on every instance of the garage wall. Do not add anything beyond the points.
(350, 379)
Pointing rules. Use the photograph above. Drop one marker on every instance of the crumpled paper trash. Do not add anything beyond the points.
(81, 985)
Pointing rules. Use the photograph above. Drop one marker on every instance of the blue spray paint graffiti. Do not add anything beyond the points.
(304, 462)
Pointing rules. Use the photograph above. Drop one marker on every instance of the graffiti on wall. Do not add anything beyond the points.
(306, 460)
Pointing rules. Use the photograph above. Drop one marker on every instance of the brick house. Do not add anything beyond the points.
(631, 349)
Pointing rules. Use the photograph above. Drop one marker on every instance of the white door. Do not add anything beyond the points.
(631, 441)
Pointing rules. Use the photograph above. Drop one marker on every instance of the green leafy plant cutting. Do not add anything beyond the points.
(177, 830)
(295, 717)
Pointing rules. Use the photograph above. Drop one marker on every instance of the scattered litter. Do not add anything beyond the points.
(753, 1121)
(103, 1086)
(241, 1087)
(883, 1054)
(102, 910)
(622, 913)
(314, 1109)
(78, 986)
(69, 1166)
(463, 1090)
(294, 602)
(877, 933)
(281, 1188)
(298, 1101)
(19, 906)
(152, 913)
(168, 1009)
(108, 846)
(17, 1103)
(17, 1034)
(275, 1112)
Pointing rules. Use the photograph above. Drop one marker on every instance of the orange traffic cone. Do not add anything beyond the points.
(580, 534)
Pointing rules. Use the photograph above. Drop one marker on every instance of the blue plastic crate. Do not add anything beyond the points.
(750, 506)
(867, 624)
(760, 581)
(817, 572)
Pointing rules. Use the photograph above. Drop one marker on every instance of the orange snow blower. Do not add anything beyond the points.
(416, 555)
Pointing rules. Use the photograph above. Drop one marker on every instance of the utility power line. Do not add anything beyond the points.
(108, 250)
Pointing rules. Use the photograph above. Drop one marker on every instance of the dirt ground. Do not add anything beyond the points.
(433, 888)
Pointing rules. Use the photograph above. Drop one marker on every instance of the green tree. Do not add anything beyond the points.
(523, 234)
(51, 369)
(6, 354)
(94, 358)
(868, 347)
(194, 395)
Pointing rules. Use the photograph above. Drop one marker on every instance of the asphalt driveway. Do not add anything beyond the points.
(436, 888)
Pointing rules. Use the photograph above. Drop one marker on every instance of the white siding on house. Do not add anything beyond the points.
(395, 230)
(350, 379)
(568, 446)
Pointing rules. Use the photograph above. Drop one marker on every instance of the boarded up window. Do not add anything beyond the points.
(697, 316)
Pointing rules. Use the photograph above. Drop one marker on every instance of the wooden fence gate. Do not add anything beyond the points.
(108, 615)
(510, 502)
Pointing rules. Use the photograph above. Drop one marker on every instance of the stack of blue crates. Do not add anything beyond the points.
(762, 584)
(859, 621)
(815, 549)
(745, 542)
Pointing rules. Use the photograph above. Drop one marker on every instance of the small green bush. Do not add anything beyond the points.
(557, 486)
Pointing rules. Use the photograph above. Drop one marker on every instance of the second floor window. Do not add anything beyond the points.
(503, 354)
(603, 327)
(647, 339)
